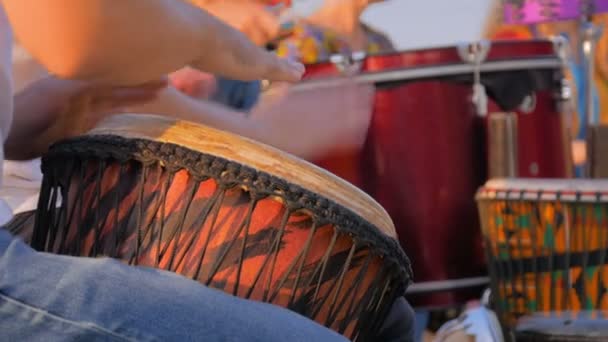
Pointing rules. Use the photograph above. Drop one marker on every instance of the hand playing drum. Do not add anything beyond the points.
(52, 109)
(250, 17)
(197, 84)
(312, 123)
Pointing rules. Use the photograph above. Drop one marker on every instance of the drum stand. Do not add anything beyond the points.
(590, 34)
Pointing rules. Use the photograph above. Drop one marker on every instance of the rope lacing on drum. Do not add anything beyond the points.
(229, 174)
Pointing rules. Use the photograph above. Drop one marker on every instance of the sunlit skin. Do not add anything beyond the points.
(336, 118)
(110, 47)
(108, 52)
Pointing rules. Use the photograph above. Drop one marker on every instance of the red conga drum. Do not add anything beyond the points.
(226, 211)
(426, 152)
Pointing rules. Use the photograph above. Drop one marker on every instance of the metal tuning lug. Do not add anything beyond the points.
(528, 104)
(480, 99)
(565, 90)
(348, 65)
(475, 54)
(561, 48)
(563, 95)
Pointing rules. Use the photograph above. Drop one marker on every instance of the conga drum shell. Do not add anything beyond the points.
(226, 211)
(586, 326)
(546, 242)
(426, 151)
(404, 61)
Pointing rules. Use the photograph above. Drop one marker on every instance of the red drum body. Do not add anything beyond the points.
(426, 152)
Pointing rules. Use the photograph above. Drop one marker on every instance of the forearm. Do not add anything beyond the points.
(171, 102)
(114, 41)
(35, 109)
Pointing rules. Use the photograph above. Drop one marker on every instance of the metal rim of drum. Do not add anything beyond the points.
(550, 59)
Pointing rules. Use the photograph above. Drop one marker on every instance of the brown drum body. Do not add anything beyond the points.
(426, 152)
(222, 222)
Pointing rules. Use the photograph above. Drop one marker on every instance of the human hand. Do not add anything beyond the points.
(244, 61)
(84, 109)
(195, 83)
(235, 55)
(252, 18)
(52, 109)
(91, 104)
(313, 123)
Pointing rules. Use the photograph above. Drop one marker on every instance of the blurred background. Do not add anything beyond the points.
(408, 24)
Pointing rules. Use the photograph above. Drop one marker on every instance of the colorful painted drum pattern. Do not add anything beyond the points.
(547, 245)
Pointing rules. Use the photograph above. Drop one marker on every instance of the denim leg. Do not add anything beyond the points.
(399, 325)
(45, 297)
(422, 320)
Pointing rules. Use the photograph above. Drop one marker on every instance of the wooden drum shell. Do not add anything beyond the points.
(225, 223)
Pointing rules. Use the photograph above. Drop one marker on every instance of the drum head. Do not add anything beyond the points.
(252, 154)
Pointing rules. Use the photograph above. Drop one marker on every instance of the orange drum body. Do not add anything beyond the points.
(216, 217)
(426, 153)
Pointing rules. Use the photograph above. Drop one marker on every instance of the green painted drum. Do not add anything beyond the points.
(546, 242)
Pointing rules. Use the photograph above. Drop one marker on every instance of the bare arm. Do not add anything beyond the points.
(336, 119)
(171, 102)
(52, 109)
(133, 41)
(35, 108)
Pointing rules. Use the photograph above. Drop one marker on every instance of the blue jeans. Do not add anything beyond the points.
(422, 320)
(45, 297)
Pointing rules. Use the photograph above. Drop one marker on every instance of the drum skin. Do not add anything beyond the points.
(224, 223)
(426, 155)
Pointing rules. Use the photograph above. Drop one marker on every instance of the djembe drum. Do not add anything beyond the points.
(227, 212)
(547, 245)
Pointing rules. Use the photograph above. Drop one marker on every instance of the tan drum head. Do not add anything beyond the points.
(250, 153)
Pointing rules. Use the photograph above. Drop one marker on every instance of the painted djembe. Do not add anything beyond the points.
(547, 245)
(228, 212)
